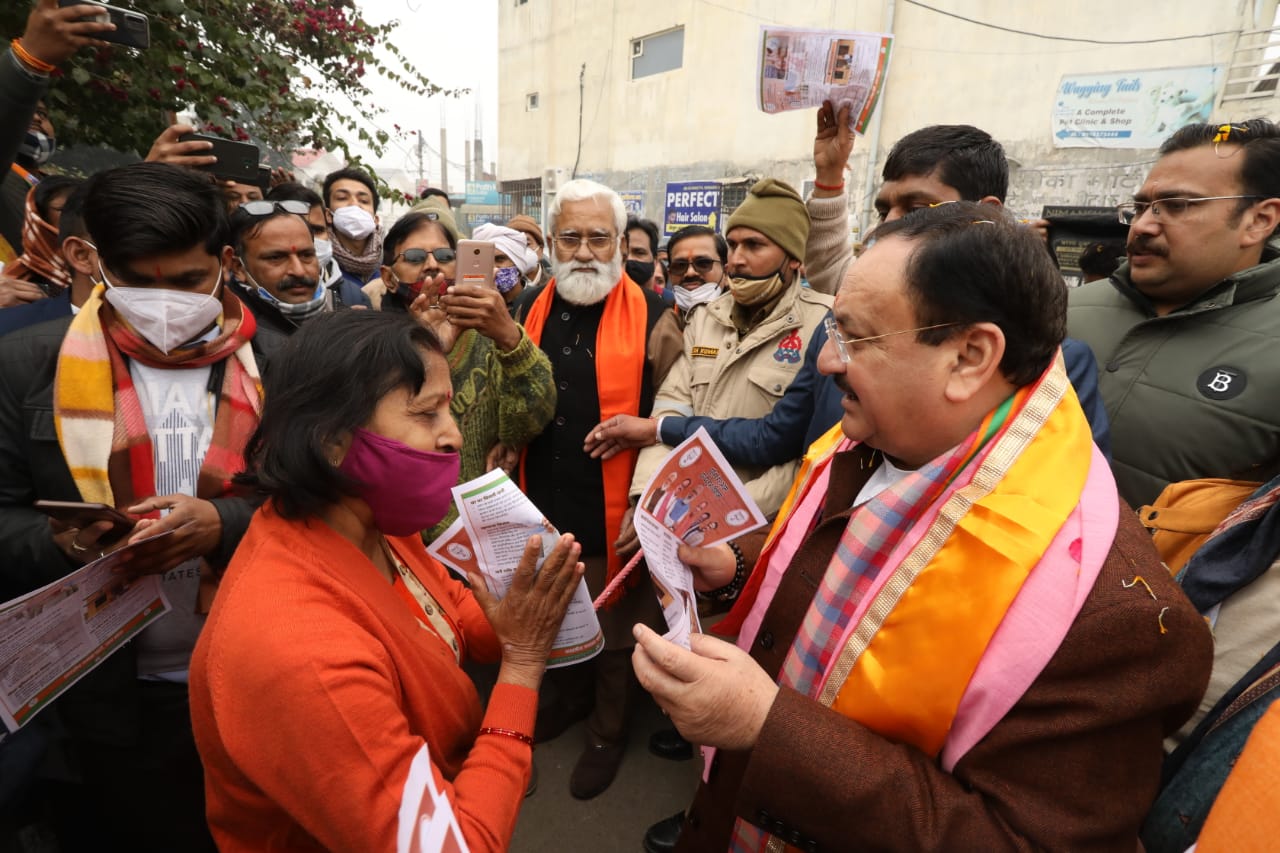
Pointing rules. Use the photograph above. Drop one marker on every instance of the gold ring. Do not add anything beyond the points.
(77, 547)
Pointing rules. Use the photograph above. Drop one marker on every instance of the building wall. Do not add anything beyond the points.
(701, 121)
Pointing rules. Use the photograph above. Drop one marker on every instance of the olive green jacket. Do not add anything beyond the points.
(1195, 393)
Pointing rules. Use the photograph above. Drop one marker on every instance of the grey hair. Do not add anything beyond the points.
(581, 189)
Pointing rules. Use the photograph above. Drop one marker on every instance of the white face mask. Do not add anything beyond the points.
(686, 297)
(166, 318)
(354, 222)
(324, 253)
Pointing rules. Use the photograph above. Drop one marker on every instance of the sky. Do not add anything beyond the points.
(454, 45)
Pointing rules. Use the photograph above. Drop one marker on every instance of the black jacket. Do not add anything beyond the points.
(32, 467)
(103, 707)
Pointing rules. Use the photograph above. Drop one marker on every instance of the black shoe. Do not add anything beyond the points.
(555, 719)
(668, 744)
(596, 767)
(663, 835)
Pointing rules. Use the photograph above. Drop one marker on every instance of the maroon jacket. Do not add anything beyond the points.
(1074, 765)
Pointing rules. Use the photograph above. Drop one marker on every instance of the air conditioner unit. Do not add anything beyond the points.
(637, 49)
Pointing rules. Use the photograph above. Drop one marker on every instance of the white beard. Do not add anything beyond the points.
(586, 288)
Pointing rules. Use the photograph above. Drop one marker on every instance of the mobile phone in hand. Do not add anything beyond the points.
(476, 262)
(237, 161)
(133, 29)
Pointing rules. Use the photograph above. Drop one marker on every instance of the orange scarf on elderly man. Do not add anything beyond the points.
(620, 358)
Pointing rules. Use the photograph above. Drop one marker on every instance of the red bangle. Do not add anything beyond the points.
(520, 736)
(829, 187)
(33, 62)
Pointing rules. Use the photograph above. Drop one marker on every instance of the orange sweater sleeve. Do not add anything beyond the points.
(308, 715)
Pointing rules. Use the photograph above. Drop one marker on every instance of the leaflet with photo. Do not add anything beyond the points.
(799, 69)
(496, 520)
(694, 498)
(54, 636)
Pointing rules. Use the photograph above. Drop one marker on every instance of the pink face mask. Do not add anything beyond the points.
(407, 489)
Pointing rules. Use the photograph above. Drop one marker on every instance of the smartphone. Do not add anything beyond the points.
(132, 28)
(237, 161)
(264, 179)
(475, 262)
(78, 514)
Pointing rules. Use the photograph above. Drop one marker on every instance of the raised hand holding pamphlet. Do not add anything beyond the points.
(799, 69)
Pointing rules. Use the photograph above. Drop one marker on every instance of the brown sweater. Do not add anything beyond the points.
(1074, 765)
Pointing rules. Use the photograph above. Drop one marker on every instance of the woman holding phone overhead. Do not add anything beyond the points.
(328, 700)
(503, 389)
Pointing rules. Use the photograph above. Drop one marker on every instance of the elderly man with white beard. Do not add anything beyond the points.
(610, 344)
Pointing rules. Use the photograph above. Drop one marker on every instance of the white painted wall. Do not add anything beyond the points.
(701, 121)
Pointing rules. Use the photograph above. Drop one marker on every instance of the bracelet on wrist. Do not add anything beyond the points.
(831, 188)
(512, 733)
(28, 59)
(733, 588)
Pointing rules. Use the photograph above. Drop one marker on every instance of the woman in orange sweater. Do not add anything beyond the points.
(327, 696)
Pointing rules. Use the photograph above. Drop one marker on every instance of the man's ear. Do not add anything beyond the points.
(81, 256)
(388, 279)
(793, 270)
(231, 263)
(992, 200)
(976, 352)
(1260, 222)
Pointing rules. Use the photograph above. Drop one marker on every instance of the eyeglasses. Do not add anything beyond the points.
(702, 265)
(258, 209)
(418, 257)
(569, 242)
(1167, 209)
(842, 344)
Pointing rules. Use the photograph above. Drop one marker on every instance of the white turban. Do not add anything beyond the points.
(509, 242)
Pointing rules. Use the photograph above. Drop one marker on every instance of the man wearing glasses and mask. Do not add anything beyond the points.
(1186, 332)
(696, 262)
(275, 270)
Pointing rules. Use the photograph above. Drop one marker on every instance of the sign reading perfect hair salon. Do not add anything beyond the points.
(691, 203)
(1131, 109)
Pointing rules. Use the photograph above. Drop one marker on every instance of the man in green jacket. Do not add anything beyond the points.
(1187, 332)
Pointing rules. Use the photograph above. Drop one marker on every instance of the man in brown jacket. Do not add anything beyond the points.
(957, 635)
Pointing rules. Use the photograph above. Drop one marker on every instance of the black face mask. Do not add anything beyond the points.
(640, 271)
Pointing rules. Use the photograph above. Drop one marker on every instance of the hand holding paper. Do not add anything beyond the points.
(715, 693)
(694, 498)
(528, 617)
(493, 536)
